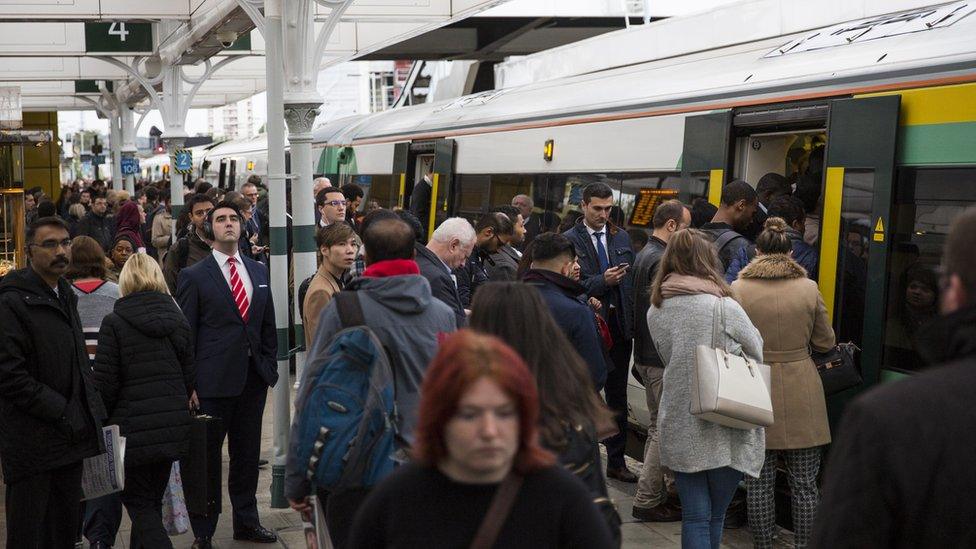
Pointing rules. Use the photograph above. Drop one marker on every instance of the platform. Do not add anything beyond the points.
(287, 524)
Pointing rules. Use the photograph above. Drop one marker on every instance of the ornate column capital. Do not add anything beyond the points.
(300, 117)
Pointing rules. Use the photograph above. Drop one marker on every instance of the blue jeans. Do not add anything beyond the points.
(705, 496)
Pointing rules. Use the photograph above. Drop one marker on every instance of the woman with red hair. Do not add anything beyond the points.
(478, 432)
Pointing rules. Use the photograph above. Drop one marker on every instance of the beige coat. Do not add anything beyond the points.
(790, 314)
(320, 292)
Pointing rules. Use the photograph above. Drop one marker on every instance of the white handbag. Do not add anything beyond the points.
(728, 389)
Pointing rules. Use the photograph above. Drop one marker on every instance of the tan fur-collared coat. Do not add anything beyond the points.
(790, 314)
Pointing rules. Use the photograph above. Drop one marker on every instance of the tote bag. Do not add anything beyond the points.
(728, 389)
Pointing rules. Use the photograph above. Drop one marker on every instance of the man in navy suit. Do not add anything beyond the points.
(227, 300)
(605, 257)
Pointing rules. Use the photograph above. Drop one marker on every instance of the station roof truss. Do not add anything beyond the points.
(54, 53)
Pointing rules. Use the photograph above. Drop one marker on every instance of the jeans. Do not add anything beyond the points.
(651, 490)
(705, 496)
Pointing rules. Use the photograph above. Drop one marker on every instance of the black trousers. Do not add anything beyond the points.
(241, 417)
(143, 499)
(103, 516)
(44, 511)
(615, 391)
(340, 510)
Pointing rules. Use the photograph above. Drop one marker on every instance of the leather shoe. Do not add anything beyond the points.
(659, 513)
(202, 543)
(257, 534)
(622, 474)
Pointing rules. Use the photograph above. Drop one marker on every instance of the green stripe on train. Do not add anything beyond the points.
(937, 144)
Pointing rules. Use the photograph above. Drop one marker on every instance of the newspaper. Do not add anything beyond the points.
(105, 473)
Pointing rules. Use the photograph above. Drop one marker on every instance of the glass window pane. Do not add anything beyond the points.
(377, 188)
(852, 255)
(926, 202)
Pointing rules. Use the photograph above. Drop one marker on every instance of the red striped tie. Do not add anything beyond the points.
(237, 288)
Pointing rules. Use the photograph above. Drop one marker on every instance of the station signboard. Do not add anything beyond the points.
(130, 165)
(647, 201)
(118, 37)
(183, 161)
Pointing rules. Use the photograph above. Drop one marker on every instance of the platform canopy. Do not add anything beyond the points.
(53, 51)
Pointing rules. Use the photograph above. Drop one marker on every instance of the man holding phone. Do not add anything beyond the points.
(605, 256)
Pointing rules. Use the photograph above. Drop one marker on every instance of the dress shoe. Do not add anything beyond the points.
(622, 474)
(257, 534)
(202, 543)
(659, 513)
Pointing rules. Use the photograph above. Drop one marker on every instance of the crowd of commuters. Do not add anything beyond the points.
(510, 345)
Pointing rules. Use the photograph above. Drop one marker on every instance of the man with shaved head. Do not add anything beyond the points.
(398, 306)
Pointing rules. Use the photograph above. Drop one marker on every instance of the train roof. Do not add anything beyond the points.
(918, 45)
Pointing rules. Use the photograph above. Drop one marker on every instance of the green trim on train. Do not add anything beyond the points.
(929, 144)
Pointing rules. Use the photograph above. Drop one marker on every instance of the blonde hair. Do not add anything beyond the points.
(690, 253)
(774, 239)
(141, 273)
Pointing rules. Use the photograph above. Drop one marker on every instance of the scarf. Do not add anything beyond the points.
(569, 286)
(392, 267)
(675, 284)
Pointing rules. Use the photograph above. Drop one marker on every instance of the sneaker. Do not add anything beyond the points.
(658, 513)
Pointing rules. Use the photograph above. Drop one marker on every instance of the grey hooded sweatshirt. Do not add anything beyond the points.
(407, 319)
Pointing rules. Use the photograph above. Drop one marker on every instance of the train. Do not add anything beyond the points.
(896, 114)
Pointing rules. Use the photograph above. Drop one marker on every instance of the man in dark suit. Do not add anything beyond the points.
(449, 248)
(227, 300)
(605, 257)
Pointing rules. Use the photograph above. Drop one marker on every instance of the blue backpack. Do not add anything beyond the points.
(346, 430)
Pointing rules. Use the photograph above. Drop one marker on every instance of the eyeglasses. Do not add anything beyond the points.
(334, 203)
(54, 244)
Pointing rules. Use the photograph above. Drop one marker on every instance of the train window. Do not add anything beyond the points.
(471, 195)
(926, 202)
(376, 188)
(852, 254)
(506, 187)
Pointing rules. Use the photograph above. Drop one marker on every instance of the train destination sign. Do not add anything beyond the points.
(647, 201)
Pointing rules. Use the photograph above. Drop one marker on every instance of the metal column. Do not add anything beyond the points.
(115, 144)
(281, 400)
(128, 144)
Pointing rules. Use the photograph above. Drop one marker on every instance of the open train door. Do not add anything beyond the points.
(441, 179)
(857, 202)
(402, 172)
(705, 155)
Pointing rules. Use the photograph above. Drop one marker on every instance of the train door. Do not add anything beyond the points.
(232, 176)
(222, 174)
(426, 160)
(857, 202)
(838, 156)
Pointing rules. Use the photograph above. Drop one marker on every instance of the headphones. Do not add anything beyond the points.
(208, 231)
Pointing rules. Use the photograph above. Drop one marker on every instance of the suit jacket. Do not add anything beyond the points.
(442, 286)
(619, 251)
(226, 347)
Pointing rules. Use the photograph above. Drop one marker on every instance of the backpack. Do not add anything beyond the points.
(345, 434)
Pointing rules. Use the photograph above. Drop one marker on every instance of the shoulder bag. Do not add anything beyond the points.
(498, 511)
(837, 368)
(728, 389)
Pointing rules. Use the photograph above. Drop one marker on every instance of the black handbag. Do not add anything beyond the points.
(838, 369)
(201, 468)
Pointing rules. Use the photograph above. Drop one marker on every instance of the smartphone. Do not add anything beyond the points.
(623, 266)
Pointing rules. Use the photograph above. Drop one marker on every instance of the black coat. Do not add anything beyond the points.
(442, 286)
(144, 371)
(50, 413)
(901, 473)
(564, 297)
(645, 267)
(99, 227)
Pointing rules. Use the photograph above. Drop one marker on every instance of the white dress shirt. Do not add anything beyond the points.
(241, 272)
(593, 238)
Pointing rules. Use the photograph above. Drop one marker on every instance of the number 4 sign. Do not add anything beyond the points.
(118, 37)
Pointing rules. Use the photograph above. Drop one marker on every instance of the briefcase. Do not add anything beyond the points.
(201, 468)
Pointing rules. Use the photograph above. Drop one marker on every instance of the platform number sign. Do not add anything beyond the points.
(183, 161)
(118, 37)
(130, 165)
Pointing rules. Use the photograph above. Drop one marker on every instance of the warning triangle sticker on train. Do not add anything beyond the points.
(879, 226)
